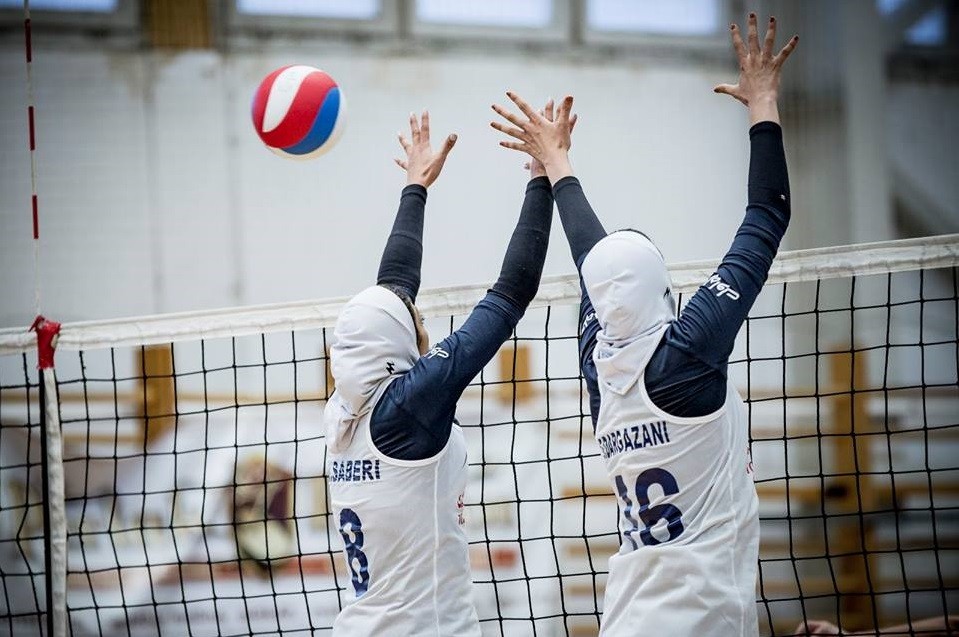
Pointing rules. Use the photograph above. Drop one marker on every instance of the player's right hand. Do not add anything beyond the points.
(422, 164)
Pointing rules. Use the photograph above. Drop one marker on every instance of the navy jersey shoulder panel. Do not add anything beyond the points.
(414, 417)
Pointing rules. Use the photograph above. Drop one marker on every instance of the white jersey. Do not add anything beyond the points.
(402, 526)
(689, 528)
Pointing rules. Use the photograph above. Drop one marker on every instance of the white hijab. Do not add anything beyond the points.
(631, 291)
(374, 341)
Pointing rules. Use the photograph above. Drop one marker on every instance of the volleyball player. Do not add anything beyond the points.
(672, 431)
(396, 457)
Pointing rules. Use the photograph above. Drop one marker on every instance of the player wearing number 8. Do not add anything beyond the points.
(672, 432)
(397, 458)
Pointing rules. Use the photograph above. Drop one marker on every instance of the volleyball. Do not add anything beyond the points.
(299, 112)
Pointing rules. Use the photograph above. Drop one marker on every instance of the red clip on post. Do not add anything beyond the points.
(47, 333)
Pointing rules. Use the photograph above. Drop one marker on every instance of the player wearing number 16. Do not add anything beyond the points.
(673, 433)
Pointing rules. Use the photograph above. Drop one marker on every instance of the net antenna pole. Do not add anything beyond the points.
(28, 48)
(51, 441)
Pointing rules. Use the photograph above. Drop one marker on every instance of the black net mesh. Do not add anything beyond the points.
(197, 504)
(22, 570)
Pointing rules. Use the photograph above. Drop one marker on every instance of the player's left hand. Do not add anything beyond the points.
(759, 67)
(545, 140)
(422, 163)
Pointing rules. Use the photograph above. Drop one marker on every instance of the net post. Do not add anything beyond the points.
(54, 509)
(852, 492)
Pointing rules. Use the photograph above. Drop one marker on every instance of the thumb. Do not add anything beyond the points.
(448, 144)
(732, 90)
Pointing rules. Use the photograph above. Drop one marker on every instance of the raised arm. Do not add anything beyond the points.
(547, 139)
(711, 320)
(403, 255)
(714, 315)
(759, 70)
(688, 377)
(583, 230)
(414, 419)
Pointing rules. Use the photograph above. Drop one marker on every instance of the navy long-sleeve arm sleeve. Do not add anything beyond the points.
(403, 254)
(580, 224)
(523, 264)
(583, 230)
(414, 418)
(687, 374)
(588, 329)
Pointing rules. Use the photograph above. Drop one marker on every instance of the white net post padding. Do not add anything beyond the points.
(56, 508)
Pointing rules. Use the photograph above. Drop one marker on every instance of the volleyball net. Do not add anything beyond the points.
(182, 460)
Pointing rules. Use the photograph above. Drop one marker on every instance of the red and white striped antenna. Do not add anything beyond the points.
(31, 109)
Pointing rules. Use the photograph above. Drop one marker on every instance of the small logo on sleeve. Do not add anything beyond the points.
(437, 351)
(721, 288)
(586, 321)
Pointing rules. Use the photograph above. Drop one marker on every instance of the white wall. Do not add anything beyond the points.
(924, 132)
(156, 195)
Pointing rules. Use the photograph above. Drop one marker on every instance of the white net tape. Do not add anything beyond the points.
(796, 266)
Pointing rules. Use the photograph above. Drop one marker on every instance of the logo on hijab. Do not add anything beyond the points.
(390, 367)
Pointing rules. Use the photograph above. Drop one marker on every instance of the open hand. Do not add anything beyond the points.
(422, 163)
(759, 69)
(535, 166)
(545, 140)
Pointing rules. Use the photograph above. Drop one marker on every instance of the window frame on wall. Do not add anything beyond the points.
(711, 43)
(387, 23)
(126, 16)
(556, 32)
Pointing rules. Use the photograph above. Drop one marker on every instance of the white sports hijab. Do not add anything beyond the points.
(374, 341)
(631, 291)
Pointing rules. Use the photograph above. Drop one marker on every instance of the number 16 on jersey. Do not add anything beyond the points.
(649, 516)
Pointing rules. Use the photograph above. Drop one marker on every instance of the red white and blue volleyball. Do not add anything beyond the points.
(299, 112)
